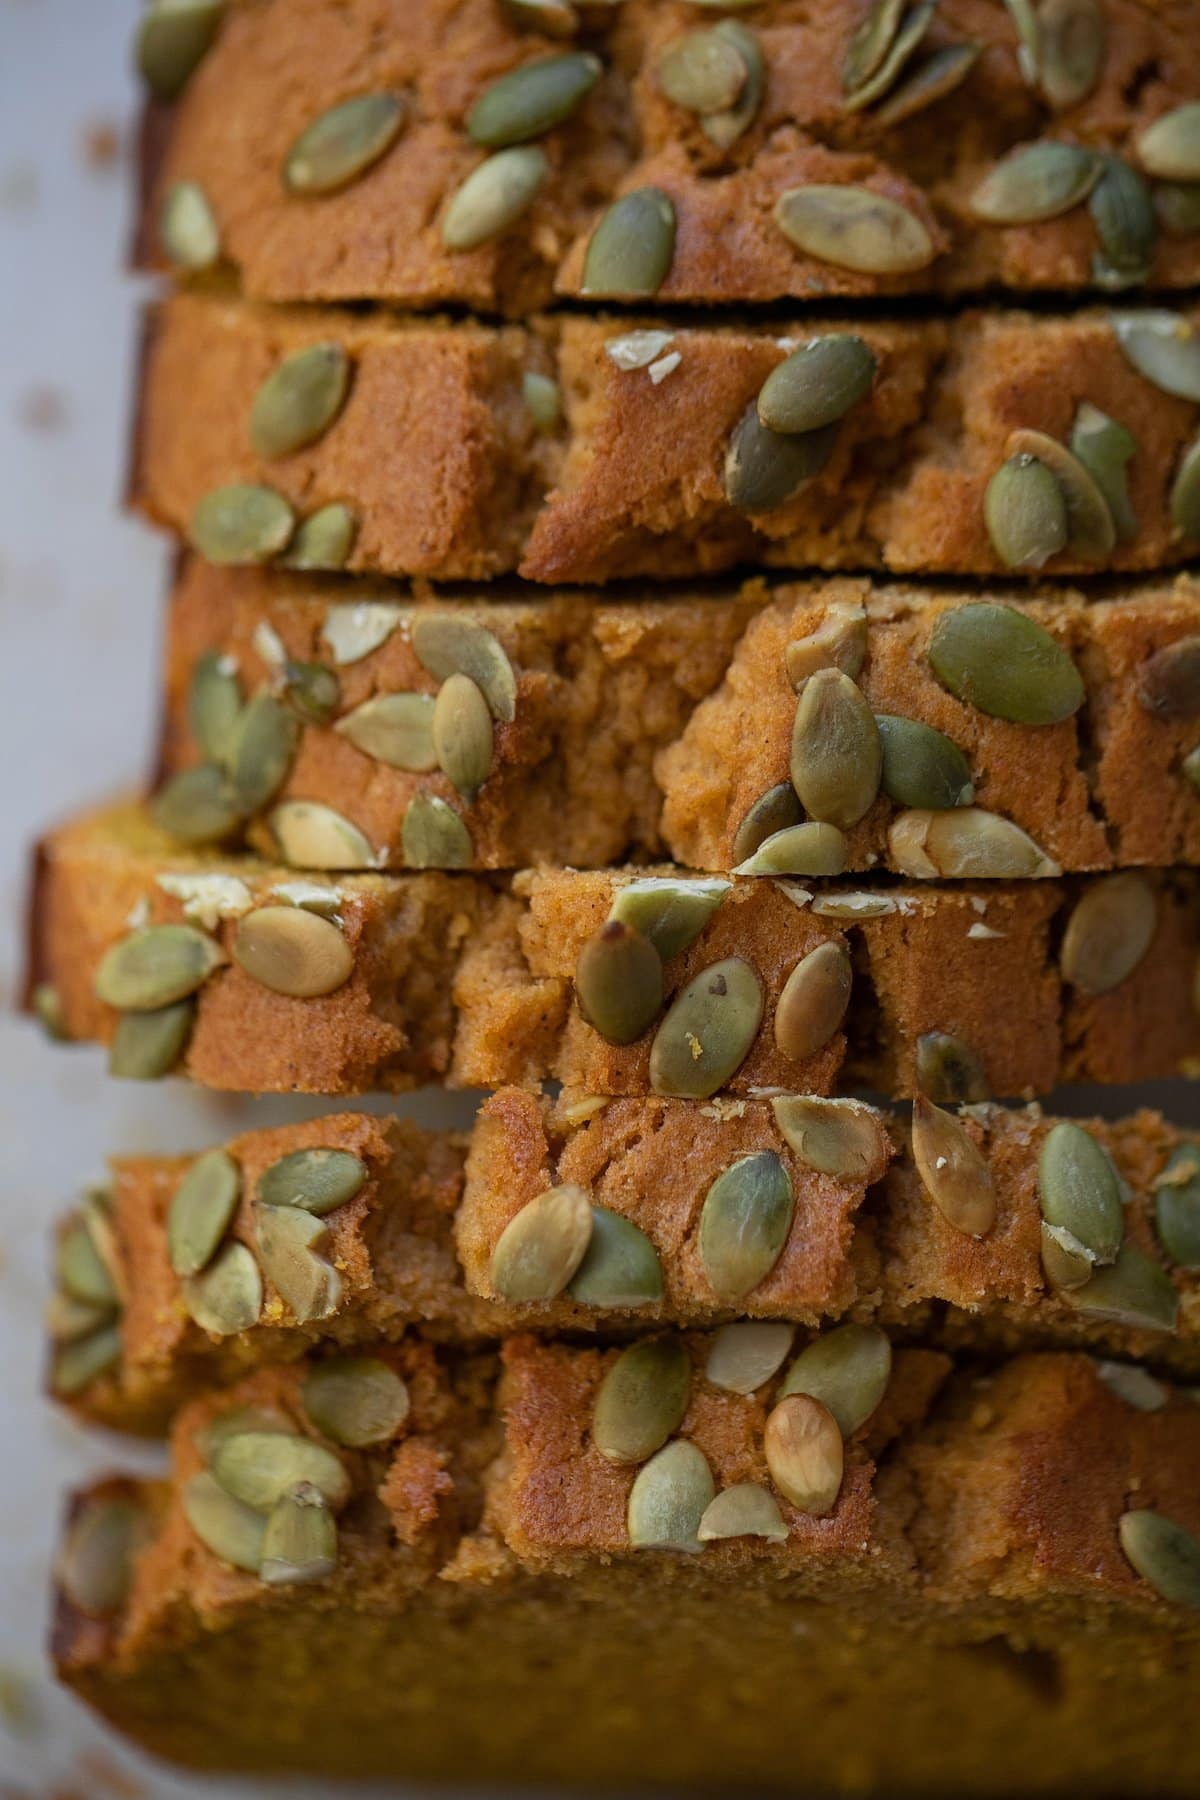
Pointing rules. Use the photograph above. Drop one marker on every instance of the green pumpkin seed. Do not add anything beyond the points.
(300, 1539)
(259, 1467)
(817, 384)
(1170, 147)
(86, 1359)
(312, 836)
(670, 912)
(837, 757)
(433, 836)
(912, 30)
(1169, 680)
(743, 1510)
(1177, 1207)
(948, 1070)
(357, 1401)
(1164, 347)
(462, 734)
(1133, 1385)
(147, 1045)
(847, 1370)
(198, 806)
(95, 1565)
(227, 1527)
(1091, 532)
(872, 40)
(542, 1246)
(1111, 928)
(214, 705)
(241, 523)
(261, 751)
(289, 1241)
(725, 127)
(1080, 1190)
(494, 196)
(764, 469)
(744, 1224)
(446, 645)
(938, 76)
(1177, 206)
(1105, 448)
(838, 642)
(669, 1498)
(237, 1419)
(744, 1357)
(532, 99)
(854, 228)
(805, 1453)
(842, 1138)
(396, 729)
(1135, 1291)
(1190, 767)
(1065, 1262)
(343, 143)
(226, 1297)
(553, 18)
(966, 844)
(67, 1319)
(620, 1266)
(292, 951)
(1185, 493)
(619, 982)
(1126, 224)
(1164, 1554)
(200, 1212)
(701, 71)
(808, 849)
(1035, 182)
(46, 1004)
(299, 400)
(641, 1400)
(318, 1181)
(173, 38)
(707, 1034)
(188, 229)
(1029, 38)
(1073, 39)
(1003, 662)
(813, 1002)
(543, 399)
(630, 252)
(323, 540)
(311, 690)
(1025, 511)
(921, 766)
(952, 1169)
(80, 1271)
(773, 812)
(156, 965)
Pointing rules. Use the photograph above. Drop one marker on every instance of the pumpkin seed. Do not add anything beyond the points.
(227, 1527)
(343, 143)
(318, 1181)
(1110, 930)
(532, 98)
(912, 30)
(446, 645)
(701, 71)
(966, 844)
(261, 751)
(1134, 1291)
(462, 734)
(744, 1356)
(854, 228)
(241, 523)
(79, 1269)
(641, 1400)
(808, 849)
(1080, 1190)
(1169, 680)
(543, 1245)
(838, 642)
(1133, 1385)
(1035, 182)
(47, 1007)
(1064, 1260)
(67, 1319)
(300, 1539)
(358, 1401)
(311, 690)
(871, 42)
(1073, 38)
(292, 951)
(323, 540)
(86, 1359)
(214, 705)
(805, 1453)
(1105, 447)
(200, 1211)
(289, 1241)
(188, 229)
(299, 400)
(1029, 38)
(173, 38)
(670, 912)
(226, 1297)
(1190, 767)
(813, 1002)
(433, 836)
(937, 76)
(668, 1499)
(952, 1169)
(494, 196)
(725, 127)
(396, 729)
(1185, 493)
(1025, 511)
(1177, 1206)
(1163, 1553)
(1003, 662)
(836, 757)
(312, 836)
(763, 469)
(1170, 147)
(620, 1266)
(238, 1418)
(619, 982)
(259, 1467)
(95, 1566)
(948, 1070)
(847, 1370)
(147, 1045)
(198, 806)
(1126, 223)
(543, 399)
(817, 384)
(553, 18)
(770, 814)
(707, 1034)
(842, 1138)
(1091, 532)
(155, 965)
(921, 766)
(744, 1224)
(743, 1510)
(1164, 347)
(631, 250)
(1177, 206)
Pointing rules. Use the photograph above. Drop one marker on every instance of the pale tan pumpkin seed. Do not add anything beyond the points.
(1133, 1385)
(86, 1359)
(631, 250)
(1036, 182)
(226, 1297)
(1126, 224)
(1091, 531)
(543, 399)
(433, 836)
(300, 399)
(259, 1467)
(1073, 39)
(532, 98)
(553, 18)
(396, 729)
(200, 1211)
(854, 228)
(237, 1419)
(542, 1246)
(46, 1004)
(708, 1032)
(966, 844)
(937, 76)
(188, 229)
(300, 1539)
(669, 1498)
(292, 951)
(494, 196)
(948, 1070)
(1105, 448)
(847, 1370)
(198, 806)
(357, 1401)
(1080, 1190)
(725, 127)
(241, 523)
(95, 1565)
(447, 645)
(1065, 1261)
(156, 965)
(1177, 205)
(838, 642)
(953, 1169)
(343, 143)
(667, 910)
(619, 982)
(172, 39)
(289, 1242)
(744, 1224)
(743, 1510)
(1185, 493)
(808, 849)
(1134, 1291)
(1177, 1203)
(701, 71)
(1164, 1554)
(1002, 661)
(1110, 930)
(813, 1002)
(843, 1138)
(641, 1400)
(922, 767)
(817, 384)
(1164, 347)
(620, 1266)
(312, 836)
(771, 813)
(227, 1527)
(872, 39)
(318, 1181)
(836, 757)
(744, 1356)
(1170, 147)
(1025, 511)
(462, 734)
(763, 469)
(147, 1045)
(323, 540)
(912, 29)
(805, 1453)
